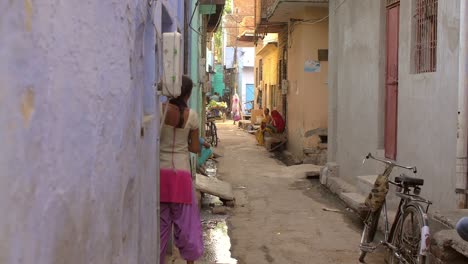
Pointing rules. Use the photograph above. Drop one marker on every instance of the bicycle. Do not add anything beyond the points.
(211, 132)
(408, 239)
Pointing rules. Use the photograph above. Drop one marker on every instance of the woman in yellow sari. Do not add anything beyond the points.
(265, 126)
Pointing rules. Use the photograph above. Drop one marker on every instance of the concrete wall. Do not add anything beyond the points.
(427, 106)
(356, 83)
(78, 181)
(195, 55)
(247, 78)
(307, 94)
(246, 60)
(268, 53)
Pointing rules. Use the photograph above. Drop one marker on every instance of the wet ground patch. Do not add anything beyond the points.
(215, 233)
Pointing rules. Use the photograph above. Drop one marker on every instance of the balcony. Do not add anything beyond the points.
(282, 10)
(214, 10)
(262, 24)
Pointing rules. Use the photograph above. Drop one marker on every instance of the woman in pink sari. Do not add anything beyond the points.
(179, 136)
(235, 108)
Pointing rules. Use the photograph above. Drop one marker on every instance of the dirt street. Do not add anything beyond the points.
(279, 216)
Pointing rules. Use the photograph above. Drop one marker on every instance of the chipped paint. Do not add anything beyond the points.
(79, 178)
(27, 106)
(28, 13)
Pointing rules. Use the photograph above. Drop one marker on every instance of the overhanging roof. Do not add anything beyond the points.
(214, 10)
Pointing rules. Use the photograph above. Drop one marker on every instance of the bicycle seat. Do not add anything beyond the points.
(405, 179)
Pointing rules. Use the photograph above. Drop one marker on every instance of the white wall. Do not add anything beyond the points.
(248, 77)
(427, 107)
(355, 83)
(77, 180)
(247, 56)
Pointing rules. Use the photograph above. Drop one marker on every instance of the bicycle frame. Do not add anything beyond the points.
(406, 199)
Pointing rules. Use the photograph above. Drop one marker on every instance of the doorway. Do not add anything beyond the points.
(391, 79)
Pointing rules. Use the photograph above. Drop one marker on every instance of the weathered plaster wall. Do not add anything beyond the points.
(247, 78)
(269, 56)
(195, 55)
(427, 106)
(78, 181)
(357, 56)
(246, 60)
(307, 97)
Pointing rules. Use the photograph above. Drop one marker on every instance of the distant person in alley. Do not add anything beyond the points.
(215, 97)
(179, 136)
(272, 124)
(235, 108)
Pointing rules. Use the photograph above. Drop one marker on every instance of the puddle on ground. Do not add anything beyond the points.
(215, 234)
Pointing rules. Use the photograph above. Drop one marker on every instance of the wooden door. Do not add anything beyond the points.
(391, 81)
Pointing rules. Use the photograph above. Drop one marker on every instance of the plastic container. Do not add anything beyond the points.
(211, 169)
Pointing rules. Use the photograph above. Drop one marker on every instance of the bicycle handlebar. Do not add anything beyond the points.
(390, 163)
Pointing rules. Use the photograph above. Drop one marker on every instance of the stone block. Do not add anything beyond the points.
(355, 201)
(322, 146)
(333, 169)
(308, 151)
(447, 246)
(221, 210)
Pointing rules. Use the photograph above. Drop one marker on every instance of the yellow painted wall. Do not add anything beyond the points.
(307, 96)
(269, 55)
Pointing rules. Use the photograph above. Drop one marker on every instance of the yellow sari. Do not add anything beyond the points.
(265, 127)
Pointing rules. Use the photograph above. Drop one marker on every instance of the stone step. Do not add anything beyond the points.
(354, 201)
(450, 217)
(365, 183)
(445, 240)
(338, 185)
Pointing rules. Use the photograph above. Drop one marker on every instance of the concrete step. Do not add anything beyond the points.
(448, 247)
(365, 183)
(450, 217)
(354, 201)
(337, 185)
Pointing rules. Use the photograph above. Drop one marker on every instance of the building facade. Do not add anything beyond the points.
(268, 93)
(80, 159)
(238, 53)
(395, 91)
(300, 88)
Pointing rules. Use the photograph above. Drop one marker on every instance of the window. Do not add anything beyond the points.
(256, 76)
(425, 36)
(273, 92)
(280, 72)
(260, 70)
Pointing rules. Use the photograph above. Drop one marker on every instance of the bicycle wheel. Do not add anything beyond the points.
(208, 133)
(407, 237)
(368, 234)
(214, 135)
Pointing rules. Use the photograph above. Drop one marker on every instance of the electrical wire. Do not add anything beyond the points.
(307, 22)
(191, 18)
(322, 19)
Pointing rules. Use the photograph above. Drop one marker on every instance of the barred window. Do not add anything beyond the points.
(424, 36)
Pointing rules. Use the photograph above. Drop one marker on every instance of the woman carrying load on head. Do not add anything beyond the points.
(179, 136)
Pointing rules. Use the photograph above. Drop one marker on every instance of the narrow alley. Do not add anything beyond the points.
(279, 216)
(118, 116)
